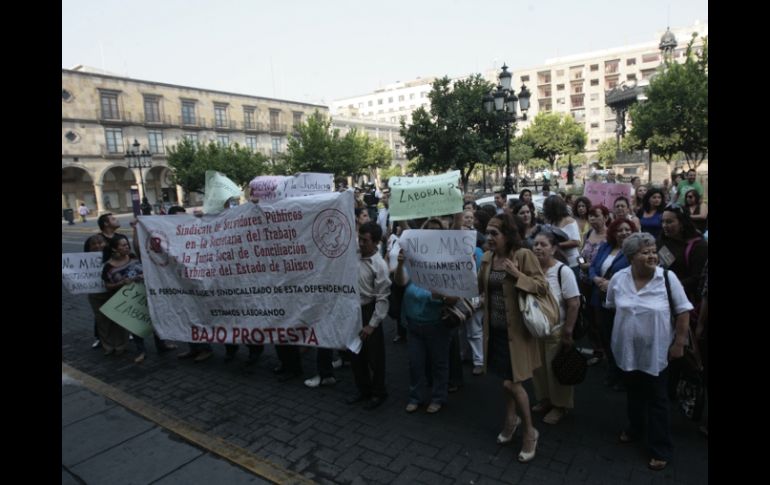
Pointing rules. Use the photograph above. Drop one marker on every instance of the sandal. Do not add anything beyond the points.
(527, 456)
(502, 439)
(542, 407)
(656, 465)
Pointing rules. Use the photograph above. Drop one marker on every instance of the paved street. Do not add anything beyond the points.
(178, 418)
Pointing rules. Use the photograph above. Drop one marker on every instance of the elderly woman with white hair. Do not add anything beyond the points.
(644, 340)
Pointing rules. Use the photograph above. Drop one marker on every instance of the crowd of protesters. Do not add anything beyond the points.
(640, 265)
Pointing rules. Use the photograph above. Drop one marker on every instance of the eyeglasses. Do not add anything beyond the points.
(492, 233)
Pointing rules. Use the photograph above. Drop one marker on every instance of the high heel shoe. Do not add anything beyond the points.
(526, 457)
(502, 439)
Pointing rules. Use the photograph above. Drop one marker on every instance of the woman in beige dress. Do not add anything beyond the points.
(510, 351)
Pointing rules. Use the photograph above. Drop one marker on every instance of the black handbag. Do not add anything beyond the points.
(454, 315)
(569, 366)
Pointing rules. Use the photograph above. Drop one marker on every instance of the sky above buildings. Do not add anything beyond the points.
(317, 51)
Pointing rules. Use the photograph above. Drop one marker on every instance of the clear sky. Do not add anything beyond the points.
(320, 50)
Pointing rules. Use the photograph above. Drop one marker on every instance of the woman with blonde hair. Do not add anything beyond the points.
(510, 351)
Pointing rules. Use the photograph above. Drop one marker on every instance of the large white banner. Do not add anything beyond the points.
(82, 272)
(441, 261)
(283, 272)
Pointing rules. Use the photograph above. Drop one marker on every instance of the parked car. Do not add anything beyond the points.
(537, 199)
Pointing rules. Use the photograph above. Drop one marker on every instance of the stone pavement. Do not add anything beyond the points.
(312, 433)
(102, 442)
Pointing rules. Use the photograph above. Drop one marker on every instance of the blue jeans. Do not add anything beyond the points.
(648, 411)
(428, 342)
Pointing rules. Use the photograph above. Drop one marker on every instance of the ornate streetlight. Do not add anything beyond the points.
(503, 102)
(141, 160)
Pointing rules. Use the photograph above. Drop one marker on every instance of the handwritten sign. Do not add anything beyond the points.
(217, 191)
(441, 261)
(606, 193)
(81, 273)
(271, 187)
(283, 272)
(434, 195)
(128, 308)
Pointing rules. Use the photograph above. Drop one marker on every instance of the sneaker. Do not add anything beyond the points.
(336, 364)
(478, 370)
(97, 343)
(433, 408)
(313, 381)
(328, 381)
(412, 407)
(206, 354)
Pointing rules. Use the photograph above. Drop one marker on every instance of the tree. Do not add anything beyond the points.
(457, 133)
(607, 152)
(553, 135)
(520, 153)
(190, 160)
(674, 118)
(316, 147)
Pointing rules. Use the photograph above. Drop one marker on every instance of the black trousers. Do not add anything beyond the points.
(369, 364)
(291, 361)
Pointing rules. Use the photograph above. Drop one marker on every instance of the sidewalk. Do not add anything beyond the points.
(103, 442)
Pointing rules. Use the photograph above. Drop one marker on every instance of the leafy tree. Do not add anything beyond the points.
(607, 152)
(457, 133)
(674, 118)
(520, 153)
(553, 135)
(190, 160)
(316, 147)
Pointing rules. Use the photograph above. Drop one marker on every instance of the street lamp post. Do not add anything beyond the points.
(503, 102)
(141, 160)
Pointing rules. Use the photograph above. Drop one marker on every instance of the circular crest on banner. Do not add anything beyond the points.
(331, 233)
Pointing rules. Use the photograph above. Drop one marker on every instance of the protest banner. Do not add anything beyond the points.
(441, 261)
(282, 272)
(269, 188)
(128, 308)
(217, 191)
(433, 195)
(81, 273)
(606, 193)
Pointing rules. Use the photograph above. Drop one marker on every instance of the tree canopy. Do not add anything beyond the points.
(317, 147)
(189, 161)
(674, 118)
(456, 133)
(552, 135)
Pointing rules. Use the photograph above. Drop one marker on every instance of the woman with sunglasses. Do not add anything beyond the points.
(681, 249)
(697, 210)
(510, 351)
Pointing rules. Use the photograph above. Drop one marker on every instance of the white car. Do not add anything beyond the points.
(537, 199)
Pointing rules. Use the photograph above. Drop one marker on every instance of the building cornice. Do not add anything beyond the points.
(129, 79)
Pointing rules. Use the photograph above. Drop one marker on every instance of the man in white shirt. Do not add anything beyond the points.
(374, 286)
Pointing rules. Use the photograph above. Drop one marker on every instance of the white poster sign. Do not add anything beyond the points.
(269, 188)
(82, 272)
(281, 273)
(441, 261)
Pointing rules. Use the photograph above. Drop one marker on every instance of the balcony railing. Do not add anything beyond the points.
(122, 117)
(255, 126)
(225, 125)
(157, 120)
(278, 128)
(107, 153)
(192, 121)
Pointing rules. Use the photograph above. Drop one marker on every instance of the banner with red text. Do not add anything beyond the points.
(281, 273)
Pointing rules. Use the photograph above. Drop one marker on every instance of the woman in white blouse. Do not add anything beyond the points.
(644, 340)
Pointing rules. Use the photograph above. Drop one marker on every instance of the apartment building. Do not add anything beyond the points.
(104, 114)
(574, 84)
(390, 104)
